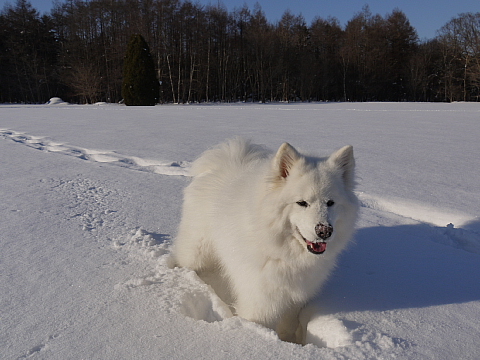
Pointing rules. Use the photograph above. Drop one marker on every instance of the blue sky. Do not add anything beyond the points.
(426, 16)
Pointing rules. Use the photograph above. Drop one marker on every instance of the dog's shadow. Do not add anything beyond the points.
(387, 268)
(407, 266)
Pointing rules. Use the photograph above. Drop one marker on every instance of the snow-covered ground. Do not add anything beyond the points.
(90, 200)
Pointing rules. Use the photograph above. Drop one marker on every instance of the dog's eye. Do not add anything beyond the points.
(330, 203)
(302, 203)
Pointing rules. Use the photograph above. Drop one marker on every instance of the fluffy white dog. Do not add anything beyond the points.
(268, 227)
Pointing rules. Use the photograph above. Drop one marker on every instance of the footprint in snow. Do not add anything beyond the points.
(174, 168)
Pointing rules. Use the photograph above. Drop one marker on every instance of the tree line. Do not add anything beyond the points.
(205, 53)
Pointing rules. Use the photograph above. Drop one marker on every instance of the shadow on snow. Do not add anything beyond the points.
(403, 267)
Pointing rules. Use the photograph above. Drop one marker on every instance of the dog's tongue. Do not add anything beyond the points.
(316, 248)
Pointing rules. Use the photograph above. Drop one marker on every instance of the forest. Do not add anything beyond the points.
(208, 54)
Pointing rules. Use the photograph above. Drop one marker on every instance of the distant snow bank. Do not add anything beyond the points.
(59, 101)
(56, 101)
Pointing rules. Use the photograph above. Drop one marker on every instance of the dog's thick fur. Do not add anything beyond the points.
(270, 227)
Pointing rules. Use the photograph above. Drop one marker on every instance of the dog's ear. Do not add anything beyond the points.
(284, 159)
(344, 161)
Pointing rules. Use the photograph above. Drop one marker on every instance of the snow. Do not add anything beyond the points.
(90, 203)
(56, 101)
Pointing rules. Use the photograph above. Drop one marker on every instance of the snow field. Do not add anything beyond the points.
(86, 268)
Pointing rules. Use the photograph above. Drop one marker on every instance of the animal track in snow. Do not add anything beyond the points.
(459, 238)
(35, 350)
(101, 156)
(87, 202)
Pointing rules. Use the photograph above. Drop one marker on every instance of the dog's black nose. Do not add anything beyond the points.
(323, 231)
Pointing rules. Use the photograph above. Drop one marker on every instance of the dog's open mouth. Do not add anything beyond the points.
(316, 248)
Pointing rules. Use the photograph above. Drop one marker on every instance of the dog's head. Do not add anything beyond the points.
(317, 196)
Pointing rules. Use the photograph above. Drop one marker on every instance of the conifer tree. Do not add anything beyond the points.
(140, 85)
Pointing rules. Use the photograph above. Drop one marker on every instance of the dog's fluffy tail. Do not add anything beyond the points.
(232, 153)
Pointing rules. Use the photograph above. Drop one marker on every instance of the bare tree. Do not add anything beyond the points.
(461, 39)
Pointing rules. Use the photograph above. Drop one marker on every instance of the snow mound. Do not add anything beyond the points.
(56, 101)
(327, 331)
(412, 210)
(147, 244)
(461, 238)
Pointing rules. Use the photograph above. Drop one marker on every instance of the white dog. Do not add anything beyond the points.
(270, 227)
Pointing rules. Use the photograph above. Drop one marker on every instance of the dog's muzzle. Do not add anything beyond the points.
(323, 231)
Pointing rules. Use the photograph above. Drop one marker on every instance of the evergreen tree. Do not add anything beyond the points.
(140, 85)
